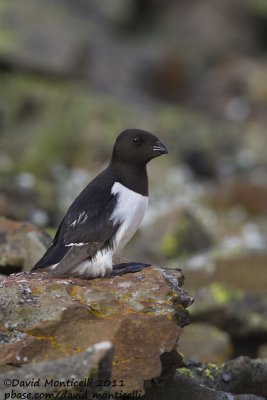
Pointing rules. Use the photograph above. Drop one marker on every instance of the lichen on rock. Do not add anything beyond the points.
(141, 314)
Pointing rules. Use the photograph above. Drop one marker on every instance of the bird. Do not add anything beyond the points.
(106, 214)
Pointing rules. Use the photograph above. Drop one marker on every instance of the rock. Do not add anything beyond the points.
(168, 79)
(250, 195)
(238, 312)
(239, 271)
(245, 376)
(262, 351)
(202, 162)
(23, 203)
(5, 368)
(176, 235)
(77, 374)
(247, 397)
(205, 343)
(141, 314)
(239, 376)
(17, 203)
(21, 244)
(184, 387)
(36, 39)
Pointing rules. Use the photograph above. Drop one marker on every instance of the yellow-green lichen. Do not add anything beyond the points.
(186, 372)
(168, 245)
(75, 293)
(52, 341)
(220, 293)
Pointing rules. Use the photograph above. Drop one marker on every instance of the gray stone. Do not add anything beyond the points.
(238, 312)
(41, 37)
(239, 376)
(76, 374)
(21, 244)
(185, 388)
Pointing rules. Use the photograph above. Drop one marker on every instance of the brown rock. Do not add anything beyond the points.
(141, 314)
(252, 196)
(240, 271)
(205, 343)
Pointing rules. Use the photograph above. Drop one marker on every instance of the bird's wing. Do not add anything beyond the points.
(54, 252)
(84, 233)
(74, 256)
(91, 224)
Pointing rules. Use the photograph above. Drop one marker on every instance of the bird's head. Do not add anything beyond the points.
(137, 147)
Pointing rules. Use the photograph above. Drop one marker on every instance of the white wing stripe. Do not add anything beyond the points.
(80, 220)
(75, 244)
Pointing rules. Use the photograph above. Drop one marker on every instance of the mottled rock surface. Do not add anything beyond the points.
(79, 374)
(177, 234)
(238, 312)
(186, 388)
(21, 244)
(141, 314)
(239, 376)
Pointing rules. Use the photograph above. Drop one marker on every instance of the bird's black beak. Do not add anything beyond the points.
(160, 148)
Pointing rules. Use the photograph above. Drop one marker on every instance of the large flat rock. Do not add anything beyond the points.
(80, 375)
(141, 314)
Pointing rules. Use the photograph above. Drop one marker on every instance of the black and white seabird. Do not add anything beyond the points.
(107, 213)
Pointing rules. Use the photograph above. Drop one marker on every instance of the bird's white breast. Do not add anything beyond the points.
(129, 212)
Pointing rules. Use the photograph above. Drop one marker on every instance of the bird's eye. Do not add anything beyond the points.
(137, 140)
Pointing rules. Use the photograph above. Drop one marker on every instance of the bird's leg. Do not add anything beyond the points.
(125, 268)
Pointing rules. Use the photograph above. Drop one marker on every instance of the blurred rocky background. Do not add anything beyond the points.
(73, 74)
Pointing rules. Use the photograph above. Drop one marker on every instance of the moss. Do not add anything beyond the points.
(258, 7)
(188, 237)
(186, 372)
(209, 372)
(9, 41)
(168, 245)
(3, 261)
(220, 293)
(206, 374)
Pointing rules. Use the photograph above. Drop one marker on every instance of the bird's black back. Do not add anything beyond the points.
(98, 203)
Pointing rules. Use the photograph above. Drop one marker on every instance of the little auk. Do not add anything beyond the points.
(106, 214)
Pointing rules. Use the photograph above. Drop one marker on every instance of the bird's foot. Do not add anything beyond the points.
(125, 268)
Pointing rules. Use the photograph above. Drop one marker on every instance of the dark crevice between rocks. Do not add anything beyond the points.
(247, 346)
(8, 270)
(6, 66)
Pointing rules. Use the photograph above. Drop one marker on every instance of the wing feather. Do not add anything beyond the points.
(86, 222)
(75, 256)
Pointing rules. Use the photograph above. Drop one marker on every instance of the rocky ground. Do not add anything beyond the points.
(125, 329)
(71, 78)
(141, 314)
